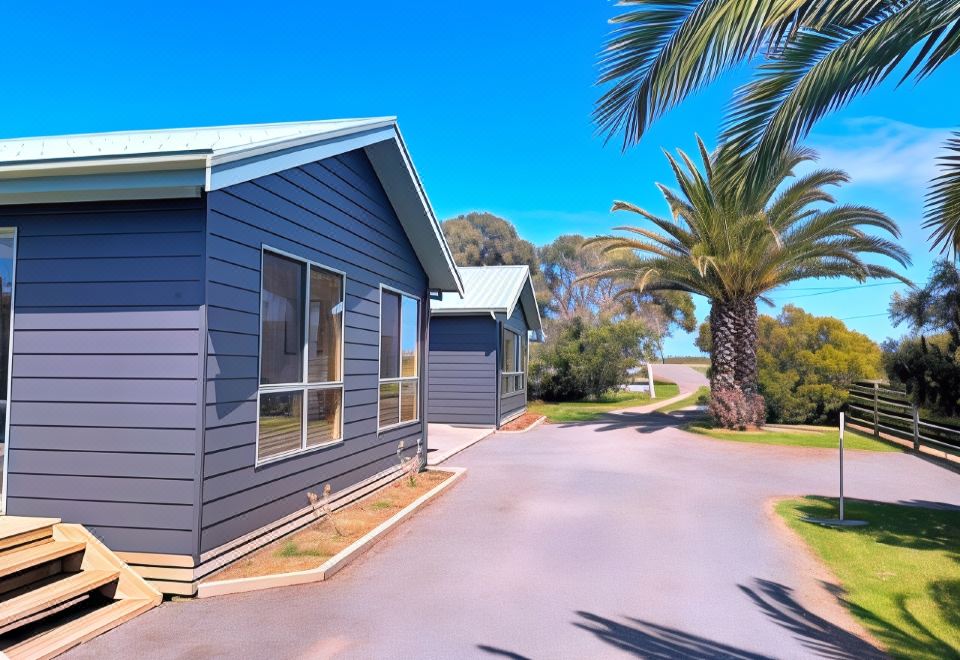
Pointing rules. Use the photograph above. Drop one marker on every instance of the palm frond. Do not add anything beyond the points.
(943, 200)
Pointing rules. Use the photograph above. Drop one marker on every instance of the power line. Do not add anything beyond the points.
(863, 316)
(837, 290)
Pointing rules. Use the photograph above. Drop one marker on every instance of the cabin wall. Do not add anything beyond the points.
(335, 213)
(105, 396)
(463, 370)
(516, 403)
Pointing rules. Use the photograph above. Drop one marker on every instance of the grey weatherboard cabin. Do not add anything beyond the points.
(479, 346)
(200, 326)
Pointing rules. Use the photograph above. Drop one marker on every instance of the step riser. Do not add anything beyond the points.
(33, 537)
(43, 614)
(24, 578)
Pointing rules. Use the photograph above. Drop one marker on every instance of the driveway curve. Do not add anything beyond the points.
(623, 538)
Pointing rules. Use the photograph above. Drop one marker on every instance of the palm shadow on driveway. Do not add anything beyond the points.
(820, 637)
(640, 422)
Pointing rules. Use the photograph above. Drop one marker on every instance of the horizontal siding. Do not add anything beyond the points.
(463, 370)
(105, 388)
(334, 213)
(512, 404)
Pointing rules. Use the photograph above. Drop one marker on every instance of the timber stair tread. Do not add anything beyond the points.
(53, 594)
(19, 560)
(88, 626)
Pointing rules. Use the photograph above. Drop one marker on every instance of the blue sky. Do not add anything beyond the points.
(494, 100)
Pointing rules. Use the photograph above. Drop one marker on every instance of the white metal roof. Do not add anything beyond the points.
(493, 289)
(211, 140)
(185, 162)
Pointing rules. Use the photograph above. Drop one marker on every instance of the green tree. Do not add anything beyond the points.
(928, 362)
(735, 243)
(582, 359)
(807, 364)
(484, 239)
(810, 57)
(565, 262)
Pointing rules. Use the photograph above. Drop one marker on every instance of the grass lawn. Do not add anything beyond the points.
(686, 402)
(901, 573)
(799, 437)
(589, 410)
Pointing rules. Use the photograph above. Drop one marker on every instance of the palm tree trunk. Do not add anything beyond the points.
(723, 356)
(746, 320)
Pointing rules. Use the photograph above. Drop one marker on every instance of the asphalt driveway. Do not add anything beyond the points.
(627, 537)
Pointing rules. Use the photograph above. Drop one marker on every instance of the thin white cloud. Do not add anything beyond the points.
(876, 151)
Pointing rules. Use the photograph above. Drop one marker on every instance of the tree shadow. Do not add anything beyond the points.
(913, 524)
(820, 636)
(640, 422)
(650, 640)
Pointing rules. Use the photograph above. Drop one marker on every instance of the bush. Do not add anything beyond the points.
(928, 369)
(732, 409)
(583, 359)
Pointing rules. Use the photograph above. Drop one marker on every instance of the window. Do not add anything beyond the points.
(513, 362)
(301, 356)
(399, 359)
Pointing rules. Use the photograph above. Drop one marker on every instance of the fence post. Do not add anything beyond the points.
(916, 428)
(876, 411)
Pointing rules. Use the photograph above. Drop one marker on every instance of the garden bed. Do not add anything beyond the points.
(525, 421)
(318, 550)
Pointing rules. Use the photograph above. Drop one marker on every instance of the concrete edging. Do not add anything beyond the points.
(335, 563)
(537, 423)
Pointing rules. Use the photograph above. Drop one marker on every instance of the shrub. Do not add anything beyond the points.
(732, 409)
(584, 359)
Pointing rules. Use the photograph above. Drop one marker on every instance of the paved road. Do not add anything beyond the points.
(623, 538)
(687, 378)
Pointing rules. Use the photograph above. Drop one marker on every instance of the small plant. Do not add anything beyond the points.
(732, 409)
(409, 465)
(324, 506)
(380, 504)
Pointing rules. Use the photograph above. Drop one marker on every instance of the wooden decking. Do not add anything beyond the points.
(59, 586)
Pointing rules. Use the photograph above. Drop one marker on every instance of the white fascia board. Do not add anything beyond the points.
(400, 181)
(246, 165)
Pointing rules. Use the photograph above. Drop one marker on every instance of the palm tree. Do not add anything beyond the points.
(815, 56)
(734, 242)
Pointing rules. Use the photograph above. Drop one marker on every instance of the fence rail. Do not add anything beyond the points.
(891, 411)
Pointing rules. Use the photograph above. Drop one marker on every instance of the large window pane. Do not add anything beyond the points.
(281, 420)
(410, 336)
(389, 335)
(389, 404)
(326, 326)
(281, 320)
(408, 400)
(323, 416)
(509, 351)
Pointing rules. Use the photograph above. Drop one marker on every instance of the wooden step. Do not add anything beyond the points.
(50, 595)
(19, 530)
(79, 630)
(34, 555)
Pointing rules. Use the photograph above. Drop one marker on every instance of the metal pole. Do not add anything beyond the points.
(916, 429)
(841, 466)
(653, 392)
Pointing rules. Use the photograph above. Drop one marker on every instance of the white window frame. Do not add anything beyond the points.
(305, 386)
(521, 346)
(399, 379)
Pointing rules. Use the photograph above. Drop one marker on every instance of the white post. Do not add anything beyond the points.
(841, 466)
(653, 393)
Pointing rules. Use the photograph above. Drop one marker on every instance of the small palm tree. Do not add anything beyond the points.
(811, 57)
(734, 241)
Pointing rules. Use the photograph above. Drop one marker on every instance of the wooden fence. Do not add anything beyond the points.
(888, 411)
